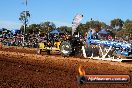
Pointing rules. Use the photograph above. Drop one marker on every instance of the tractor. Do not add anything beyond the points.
(51, 42)
(93, 47)
(72, 46)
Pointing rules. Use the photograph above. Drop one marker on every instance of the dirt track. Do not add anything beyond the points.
(22, 68)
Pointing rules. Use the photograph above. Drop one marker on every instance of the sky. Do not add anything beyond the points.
(62, 12)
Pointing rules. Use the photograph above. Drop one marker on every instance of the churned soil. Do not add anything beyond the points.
(18, 49)
(22, 68)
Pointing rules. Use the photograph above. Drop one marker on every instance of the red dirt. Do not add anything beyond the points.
(22, 68)
(18, 49)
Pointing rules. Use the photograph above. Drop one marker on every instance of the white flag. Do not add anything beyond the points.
(76, 21)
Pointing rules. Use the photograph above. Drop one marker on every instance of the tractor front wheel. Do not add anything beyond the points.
(65, 49)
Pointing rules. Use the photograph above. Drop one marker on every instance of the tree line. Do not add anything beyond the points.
(117, 26)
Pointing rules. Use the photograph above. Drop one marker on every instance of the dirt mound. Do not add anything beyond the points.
(28, 70)
(18, 49)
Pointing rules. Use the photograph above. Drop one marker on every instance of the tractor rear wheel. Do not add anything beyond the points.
(65, 48)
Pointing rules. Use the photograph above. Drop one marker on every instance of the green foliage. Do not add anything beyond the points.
(124, 28)
(82, 29)
(65, 29)
(33, 28)
(47, 26)
(117, 24)
(127, 28)
(24, 17)
(39, 28)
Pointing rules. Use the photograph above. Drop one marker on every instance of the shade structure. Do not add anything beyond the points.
(56, 31)
(103, 31)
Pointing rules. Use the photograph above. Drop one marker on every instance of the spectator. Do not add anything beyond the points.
(110, 37)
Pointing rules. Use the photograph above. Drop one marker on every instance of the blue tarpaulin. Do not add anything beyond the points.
(14, 31)
(103, 31)
(56, 31)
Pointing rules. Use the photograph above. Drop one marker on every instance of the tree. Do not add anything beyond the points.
(117, 24)
(24, 15)
(82, 29)
(34, 28)
(93, 24)
(47, 26)
(24, 19)
(103, 25)
(128, 26)
(65, 29)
